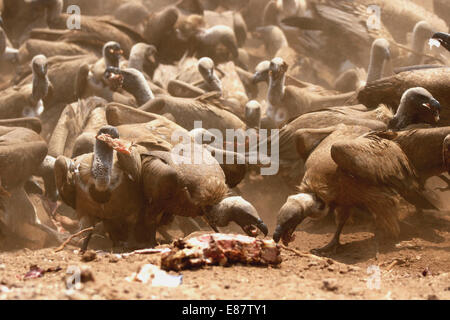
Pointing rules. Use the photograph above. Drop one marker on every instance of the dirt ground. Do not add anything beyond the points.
(415, 266)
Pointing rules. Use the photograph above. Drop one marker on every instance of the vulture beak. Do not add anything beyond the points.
(151, 54)
(435, 107)
(443, 38)
(114, 78)
(259, 77)
(241, 212)
(293, 212)
(387, 53)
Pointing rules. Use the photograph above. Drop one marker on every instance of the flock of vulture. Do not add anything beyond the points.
(87, 114)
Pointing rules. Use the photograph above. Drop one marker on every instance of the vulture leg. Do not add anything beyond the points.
(85, 243)
(211, 225)
(188, 225)
(342, 216)
(163, 231)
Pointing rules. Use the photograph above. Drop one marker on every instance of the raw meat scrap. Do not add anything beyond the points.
(220, 249)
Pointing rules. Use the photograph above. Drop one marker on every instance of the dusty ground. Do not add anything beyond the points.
(416, 266)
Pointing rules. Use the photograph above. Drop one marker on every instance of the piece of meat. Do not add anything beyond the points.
(220, 249)
(119, 145)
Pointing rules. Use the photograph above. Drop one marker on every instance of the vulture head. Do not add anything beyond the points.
(241, 212)
(140, 53)
(294, 211)
(39, 66)
(253, 114)
(417, 105)
(112, 53)
(206, 68)
(261, 72)
(277, 69)
(446, 153)
(114, 78)
(443, 38)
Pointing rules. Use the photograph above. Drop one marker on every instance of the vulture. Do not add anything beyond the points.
(96, 184)
(417, 106)
(389, 90)
(351, 167)
(176, 185)
(27, 99)
(90, 78)
(287, 102)
(22, 155)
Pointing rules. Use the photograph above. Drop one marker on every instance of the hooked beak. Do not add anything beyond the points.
(294, 211)
(289, 217)
(443, 38)
(435, 107)
(241, 212)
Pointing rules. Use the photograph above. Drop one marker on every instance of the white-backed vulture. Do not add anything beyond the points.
(27, 99)
(96, 184)
(351, 167)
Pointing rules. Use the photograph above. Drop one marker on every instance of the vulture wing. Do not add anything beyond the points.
(64, 183)
(380, 161)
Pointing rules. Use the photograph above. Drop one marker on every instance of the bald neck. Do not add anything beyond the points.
(376, 65)
(276, 89)
(137, 56)
(40, 86)
(420, 36)
(134, 82)
(102, 165)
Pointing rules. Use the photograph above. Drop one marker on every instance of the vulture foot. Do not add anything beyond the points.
(331, 247)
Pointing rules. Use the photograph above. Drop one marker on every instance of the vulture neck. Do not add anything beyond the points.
(402, 118)
(418, 44)
(137, 56)
(276, 89)
(102, 165)
(40, 86)
(134, 82)
(111, 62)
(213, 82)
(376, 66)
